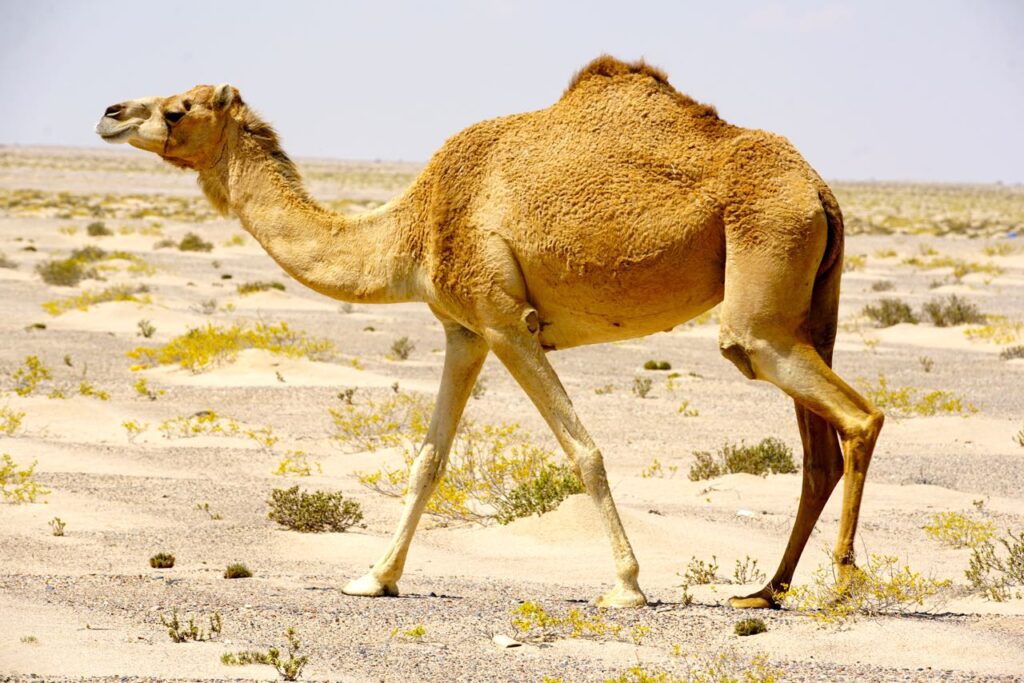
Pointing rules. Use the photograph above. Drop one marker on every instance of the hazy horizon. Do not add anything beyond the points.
(916, 92)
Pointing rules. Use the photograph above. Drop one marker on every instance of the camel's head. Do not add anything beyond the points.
(188, 129)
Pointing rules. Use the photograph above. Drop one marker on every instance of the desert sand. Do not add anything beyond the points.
(87, 605)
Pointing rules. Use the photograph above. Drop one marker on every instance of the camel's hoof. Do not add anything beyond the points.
(370, 586)
(763, 599)
(621, 597)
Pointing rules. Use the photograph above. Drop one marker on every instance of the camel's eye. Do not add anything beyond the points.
(174, 116)
(187, 104)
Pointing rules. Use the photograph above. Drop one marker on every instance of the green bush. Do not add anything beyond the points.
(771, 455)
(952, 310)
(259, 286)
(193, 242)
(543, 494)
(64, 273)
(98, 229)
(313, 512)
(890, 311)
(161, 561)
(657, 365)
(750, 627)
(237, 571)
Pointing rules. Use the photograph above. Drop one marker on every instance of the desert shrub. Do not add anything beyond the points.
(401, 348)
(259, 286)
(722, 667)
(958, 530)
(205, 507)
(998, 329)
(882, 586)
(747, 571)
(909, 401)
(750, 627)
(657, 365)
(98, 229)
(19, 485)
(552, 485)
(495, 473)
(641, 386)
(84, 300)
(10, 420)
(162, 561)
(926, 363)
(209, 423)
(999, 249)
(952, 310)
(180, 633)
(1019, 437)
(533, 623)
(882, 286)
(399, 419)
(656, 470)
(769, 456)
(289, 669)
(63, 273)
(854, 262)
(700, 573)
(193, 242)
(6, 262)
(203, 347)
(237, 571)
(313, 512)
(998, 577)
(1012, 352)
(297, 463)
(889, 311)
(57, 526)
(146, 328)
(165, 243)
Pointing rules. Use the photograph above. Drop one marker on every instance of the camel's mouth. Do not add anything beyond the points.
(121, 134)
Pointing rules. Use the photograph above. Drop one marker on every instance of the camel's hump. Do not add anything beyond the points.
(607, 66)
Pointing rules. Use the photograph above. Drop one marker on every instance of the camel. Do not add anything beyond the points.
(623, 209)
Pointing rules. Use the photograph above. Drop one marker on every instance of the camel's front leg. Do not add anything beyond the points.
(465, 353)
(520, 351)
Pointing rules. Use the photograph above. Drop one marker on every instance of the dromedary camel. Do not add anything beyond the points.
(624, 209)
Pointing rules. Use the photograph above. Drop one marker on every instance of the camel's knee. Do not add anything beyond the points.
(862, 434)
(590, 466)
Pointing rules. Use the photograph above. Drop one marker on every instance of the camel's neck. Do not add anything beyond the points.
(368, 258)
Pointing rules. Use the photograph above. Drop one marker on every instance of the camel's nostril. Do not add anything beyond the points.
(113, 110)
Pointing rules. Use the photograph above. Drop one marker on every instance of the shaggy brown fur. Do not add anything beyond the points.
(623, 209)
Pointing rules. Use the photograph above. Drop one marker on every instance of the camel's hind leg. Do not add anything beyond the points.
(465, 353)
(520, 351)
(777, 324)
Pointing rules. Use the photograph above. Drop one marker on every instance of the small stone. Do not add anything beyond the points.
(503, 641)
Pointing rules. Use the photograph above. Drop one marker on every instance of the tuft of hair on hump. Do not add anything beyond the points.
(609, 66)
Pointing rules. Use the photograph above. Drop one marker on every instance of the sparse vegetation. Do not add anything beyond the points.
(882, 586)
(57, 526)
(259, 286)
(926, 363)
(237, 571)
(657, 365)
(999, 578)
(656, 470)
(398, 420)
(959, 531)
(98, 229)
(1012, 352)
(889, 311)
(19, 485)
(641, 386)
(494, 474)
(297, 463)
(10, 420)
(769, 456)
(146, 329)
(908, 401)
(193, 242)
(180, 633)
(750, 627)
(314, 512)
(289, 669)
(29, 375)
(84, 264)
(204, 347)
(723, 667)
(998, 329)
(533, 623)
(747, 571)
(205, 507)
(401, 348)
(82, 301)
(162, 561)
(5, 262)
(952, 310)
(133, 429)
(882, 286)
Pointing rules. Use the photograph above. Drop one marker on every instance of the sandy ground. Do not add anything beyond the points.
(87, 605)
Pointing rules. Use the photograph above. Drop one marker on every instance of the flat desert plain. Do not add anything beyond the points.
(185, 461)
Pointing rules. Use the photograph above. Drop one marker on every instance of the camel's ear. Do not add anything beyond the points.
(223, 95)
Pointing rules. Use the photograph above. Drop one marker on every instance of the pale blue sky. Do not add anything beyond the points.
(866, 90)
